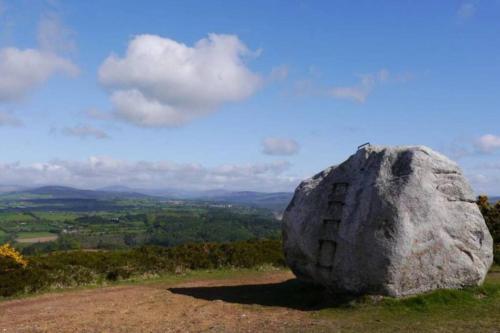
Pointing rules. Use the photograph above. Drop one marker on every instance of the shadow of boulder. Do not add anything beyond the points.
(292, 294)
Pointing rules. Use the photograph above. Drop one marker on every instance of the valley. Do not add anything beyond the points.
(60, 218)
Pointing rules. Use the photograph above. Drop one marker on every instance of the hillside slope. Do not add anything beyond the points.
(64, 192)
(249, 301)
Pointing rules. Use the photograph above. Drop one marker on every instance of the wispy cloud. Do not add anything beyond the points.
(98, 171)
(7, 119)
(53, 35)
(24, 70)
(466, 11)
(279, 73)
(84, 132)
(485, 178)
(487, 143)
(95, 113)
(358, 92)
(280, 146)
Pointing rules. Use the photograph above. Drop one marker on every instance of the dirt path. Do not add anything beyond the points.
(231, 305)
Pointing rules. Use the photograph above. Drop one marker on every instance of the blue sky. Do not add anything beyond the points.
(242, 95)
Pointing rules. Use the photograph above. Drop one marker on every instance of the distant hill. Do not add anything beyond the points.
(116, 188)
(64, 192)
(275, 201)
(164, 193)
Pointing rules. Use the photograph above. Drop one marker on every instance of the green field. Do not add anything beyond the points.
(3, 236)
(17, 217)
(56, 216)
(63, 224)
(23, 235)
(125, 223)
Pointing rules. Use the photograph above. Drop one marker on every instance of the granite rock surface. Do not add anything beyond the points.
(389, 220)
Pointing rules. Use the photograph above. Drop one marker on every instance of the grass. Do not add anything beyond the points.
(57, 216)
(165, 280)
(35, 234)
(469, 310)
(16, 217)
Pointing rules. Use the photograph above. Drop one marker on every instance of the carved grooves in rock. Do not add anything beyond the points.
(330, 225)
(445, 172)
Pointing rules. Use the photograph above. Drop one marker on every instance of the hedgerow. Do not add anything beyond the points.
(77, 268)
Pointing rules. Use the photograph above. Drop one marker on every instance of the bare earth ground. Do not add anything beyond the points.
(157, 308)
(44, 239)
(246, 301)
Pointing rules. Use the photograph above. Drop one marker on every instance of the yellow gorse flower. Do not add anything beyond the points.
(8, 251)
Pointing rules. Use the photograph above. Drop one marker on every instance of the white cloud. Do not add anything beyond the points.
(101, 171)
(85, 131)
(163, 83)
(7, 119)
(279, 146)
(466, 10)
(487, 143)
(21, 71)
(360, 92)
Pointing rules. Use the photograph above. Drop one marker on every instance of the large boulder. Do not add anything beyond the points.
(389, 220)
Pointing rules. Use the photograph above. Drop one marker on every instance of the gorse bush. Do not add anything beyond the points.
(76, 268)
(10, 259)
(491, 213)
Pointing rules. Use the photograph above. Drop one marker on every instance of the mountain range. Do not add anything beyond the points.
(275, 201)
